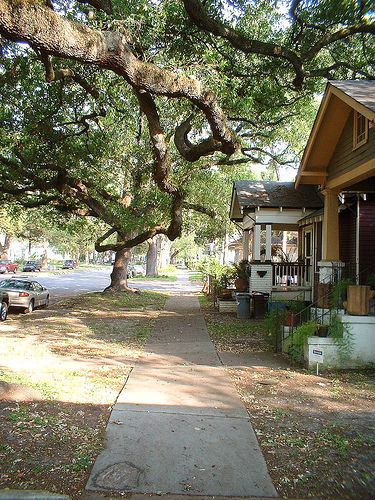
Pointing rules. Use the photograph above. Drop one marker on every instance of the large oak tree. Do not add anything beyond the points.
(239, 77)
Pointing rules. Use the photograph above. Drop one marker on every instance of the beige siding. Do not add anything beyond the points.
(344, 158)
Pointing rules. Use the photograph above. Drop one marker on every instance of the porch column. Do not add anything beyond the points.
(245, 245)
(330, 227)
(268, 242)
(256, 242)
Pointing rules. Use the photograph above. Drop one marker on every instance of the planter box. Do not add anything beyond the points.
(227, 306)
(362, 333)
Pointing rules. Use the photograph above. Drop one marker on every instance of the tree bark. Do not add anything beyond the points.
(44, 262)
(119, 275)
(165, 250)
(152, 259)
(4, 249)
(174, 257)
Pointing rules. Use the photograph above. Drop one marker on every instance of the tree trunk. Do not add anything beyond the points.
(87, 257)
(152, 259)
(77, 256)
(165, 250)
(174, 254)
(44, 262)
(4, 249)
(119, 275)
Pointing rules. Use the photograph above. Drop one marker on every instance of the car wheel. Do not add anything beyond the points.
(4, 311)
(46, 304)
(29, 309)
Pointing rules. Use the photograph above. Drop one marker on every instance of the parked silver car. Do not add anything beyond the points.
(25, 294)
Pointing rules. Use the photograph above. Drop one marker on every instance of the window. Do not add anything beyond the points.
(360, 129)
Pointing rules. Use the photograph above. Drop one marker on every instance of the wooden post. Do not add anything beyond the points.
(268, 242)
(256, 242)
(331, 227)
(245, 243)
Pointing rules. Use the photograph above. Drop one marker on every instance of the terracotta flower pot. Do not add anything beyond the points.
(358, 303)
(241, 284)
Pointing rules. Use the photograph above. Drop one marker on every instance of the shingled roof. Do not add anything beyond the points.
(276, 194)
(362, 91)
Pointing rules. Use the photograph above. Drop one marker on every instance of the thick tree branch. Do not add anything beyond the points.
(42, 28)
(193, 152)
(328, 39)
(162, 162)
(247, 45)
(200, 209)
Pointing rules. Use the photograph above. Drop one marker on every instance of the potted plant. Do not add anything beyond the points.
(222, 286)
(241, 275)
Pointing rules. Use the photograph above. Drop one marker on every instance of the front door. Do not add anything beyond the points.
(308, 254)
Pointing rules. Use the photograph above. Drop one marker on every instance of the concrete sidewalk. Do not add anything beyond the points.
(178, 426)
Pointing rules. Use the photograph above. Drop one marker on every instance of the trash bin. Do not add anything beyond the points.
(243, 305)
(260, 300)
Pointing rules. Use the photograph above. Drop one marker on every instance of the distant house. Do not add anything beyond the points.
(263, 207)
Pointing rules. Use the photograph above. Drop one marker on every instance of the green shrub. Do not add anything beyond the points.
(296, 342)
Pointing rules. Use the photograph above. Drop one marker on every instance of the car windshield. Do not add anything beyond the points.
(30, 262)
(15, 284)
(3, 262)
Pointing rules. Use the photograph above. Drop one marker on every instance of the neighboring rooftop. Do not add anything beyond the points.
(274, 194)
(362, 91)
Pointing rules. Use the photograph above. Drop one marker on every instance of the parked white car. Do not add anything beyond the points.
(139, 270)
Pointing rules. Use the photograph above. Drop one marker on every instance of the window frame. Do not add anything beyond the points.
(358, 143)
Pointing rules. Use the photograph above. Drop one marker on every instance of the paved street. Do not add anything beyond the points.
(68, 284)
(75, 282)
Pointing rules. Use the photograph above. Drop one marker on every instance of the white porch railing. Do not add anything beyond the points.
(291, 274)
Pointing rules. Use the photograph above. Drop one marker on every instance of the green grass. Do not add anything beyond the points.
(108, 301)
(46, 388)
(195, 275)
(205, 301)
(161, 277)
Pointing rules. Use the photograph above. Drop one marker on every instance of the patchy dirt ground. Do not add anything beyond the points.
(60, 372)
(317, 433)
(49, 445)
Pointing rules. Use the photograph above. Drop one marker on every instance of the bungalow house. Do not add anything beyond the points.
(340, 158)
(332, 202)
(338, 238)
(266, 207)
